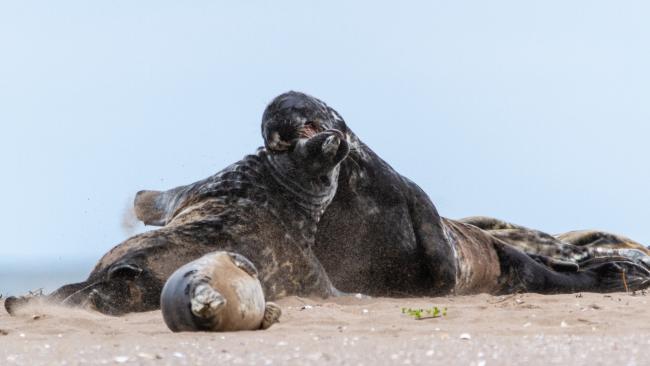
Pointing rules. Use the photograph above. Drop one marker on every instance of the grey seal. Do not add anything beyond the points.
(220, 291)
(381, 235)
(580, 246)
(265, 207)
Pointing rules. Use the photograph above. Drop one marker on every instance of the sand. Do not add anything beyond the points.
(530, 329)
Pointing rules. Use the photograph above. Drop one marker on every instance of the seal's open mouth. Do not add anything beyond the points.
(309, 129)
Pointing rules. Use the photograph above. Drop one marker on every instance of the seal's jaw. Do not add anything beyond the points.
(279, 142)
(284, 134)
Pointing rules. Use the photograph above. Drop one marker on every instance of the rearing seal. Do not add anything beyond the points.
(381, 235)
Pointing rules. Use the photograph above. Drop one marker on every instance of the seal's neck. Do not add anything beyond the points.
(310, 195)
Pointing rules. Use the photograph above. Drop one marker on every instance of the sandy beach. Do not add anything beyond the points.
(582, 329)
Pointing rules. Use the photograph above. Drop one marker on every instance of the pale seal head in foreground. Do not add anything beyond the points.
(217, 292)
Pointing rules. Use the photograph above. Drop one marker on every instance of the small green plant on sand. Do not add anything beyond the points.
(419, 314)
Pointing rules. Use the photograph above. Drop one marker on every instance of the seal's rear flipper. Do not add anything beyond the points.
(521, 273)
(150, 207)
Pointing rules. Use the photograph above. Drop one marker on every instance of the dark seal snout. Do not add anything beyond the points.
(334, 142)
(329, 144)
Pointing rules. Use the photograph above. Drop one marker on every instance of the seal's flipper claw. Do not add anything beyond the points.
(206, 302)
(243, 263)
(272, 314)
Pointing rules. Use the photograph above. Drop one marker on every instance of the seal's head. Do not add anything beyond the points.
(217, 292)
(293, 115)
(305, 138)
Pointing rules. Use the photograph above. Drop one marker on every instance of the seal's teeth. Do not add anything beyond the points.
(206, 302)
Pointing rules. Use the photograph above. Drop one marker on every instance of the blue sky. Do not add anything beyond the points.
(535, 112)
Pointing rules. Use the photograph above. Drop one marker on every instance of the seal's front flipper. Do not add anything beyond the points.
(206, 303)
(272, 314)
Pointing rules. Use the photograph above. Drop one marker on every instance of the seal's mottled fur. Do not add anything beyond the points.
(265, 207)
(575, 246)
(381, 235)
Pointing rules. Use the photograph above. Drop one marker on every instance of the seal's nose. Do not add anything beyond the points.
(331, 144)
(340, 134)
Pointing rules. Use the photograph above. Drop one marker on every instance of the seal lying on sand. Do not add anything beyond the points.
(265, 207)
(575, 246)
(219, 292)
(381, 235)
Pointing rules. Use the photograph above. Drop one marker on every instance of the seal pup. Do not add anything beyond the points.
(382, 235)
(265, 207)
(217, 292)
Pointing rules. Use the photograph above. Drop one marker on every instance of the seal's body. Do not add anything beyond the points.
(381, 235)
(265, 207)
(574, 246)
(217, 292)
